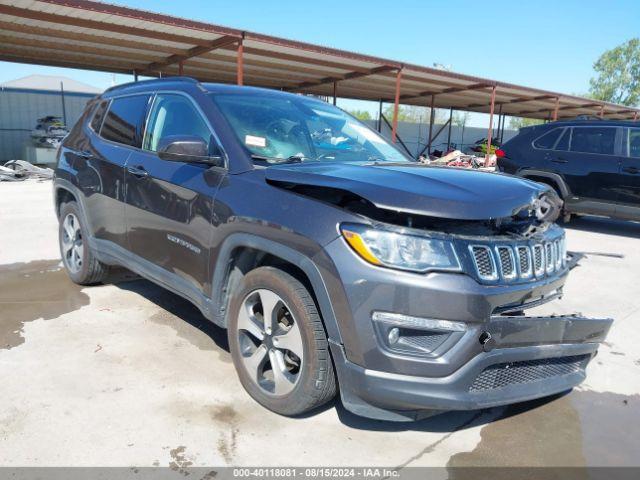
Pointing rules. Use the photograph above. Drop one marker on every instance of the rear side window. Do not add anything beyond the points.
(98, 116)
(548, 140)
(634, 142)
(593, 140)
(124, 121)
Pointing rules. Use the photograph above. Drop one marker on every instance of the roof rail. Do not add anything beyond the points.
(152, 81)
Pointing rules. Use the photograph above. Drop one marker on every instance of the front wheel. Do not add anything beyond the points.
(278, 344)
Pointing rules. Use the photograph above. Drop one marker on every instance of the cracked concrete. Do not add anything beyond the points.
(130, 374)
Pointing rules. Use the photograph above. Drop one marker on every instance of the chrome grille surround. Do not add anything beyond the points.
(506, 262)
(538, 253)
(550, 263)
(525, 263)
(518, 261)
(484, 263)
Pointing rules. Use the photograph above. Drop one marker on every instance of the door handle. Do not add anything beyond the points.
(86, 154)
(138, 171)
(559, 160)
(632, 170)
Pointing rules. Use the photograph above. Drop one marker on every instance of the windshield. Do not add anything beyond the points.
(300, 129)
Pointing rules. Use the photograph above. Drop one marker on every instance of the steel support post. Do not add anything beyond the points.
(490, 131)
(396, 106)
(240, 63)
(432, 117)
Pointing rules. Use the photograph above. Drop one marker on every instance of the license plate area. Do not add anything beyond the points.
(520, 331)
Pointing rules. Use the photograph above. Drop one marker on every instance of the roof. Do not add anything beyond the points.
(91, 35)
(50, 83)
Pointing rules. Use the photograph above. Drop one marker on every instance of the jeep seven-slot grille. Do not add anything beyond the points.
(484, 263)
(503, 375)
(518, 262)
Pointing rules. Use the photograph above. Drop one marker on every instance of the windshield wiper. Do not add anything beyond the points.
(291, 159)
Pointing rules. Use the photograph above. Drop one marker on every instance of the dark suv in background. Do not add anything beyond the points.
(594, 165)
(333, 261)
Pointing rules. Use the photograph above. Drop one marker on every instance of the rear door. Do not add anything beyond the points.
(114, 131)
(169, 203)
(629, 186)
(588, 161)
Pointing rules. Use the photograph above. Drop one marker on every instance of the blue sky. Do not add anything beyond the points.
(545, 44)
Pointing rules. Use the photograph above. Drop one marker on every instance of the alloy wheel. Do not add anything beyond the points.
(270, 342)
(72, 244)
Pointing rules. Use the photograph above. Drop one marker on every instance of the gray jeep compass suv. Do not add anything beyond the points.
(334, 262)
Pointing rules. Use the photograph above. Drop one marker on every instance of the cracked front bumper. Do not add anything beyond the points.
(527, 358)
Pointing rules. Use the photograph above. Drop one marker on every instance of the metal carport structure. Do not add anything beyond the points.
(92, 35)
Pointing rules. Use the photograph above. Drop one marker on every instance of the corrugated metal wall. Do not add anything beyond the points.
(19, 110)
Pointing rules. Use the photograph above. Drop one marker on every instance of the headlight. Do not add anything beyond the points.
(402, 251)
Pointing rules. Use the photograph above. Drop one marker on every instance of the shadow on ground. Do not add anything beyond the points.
(606, 226)
(181, 310)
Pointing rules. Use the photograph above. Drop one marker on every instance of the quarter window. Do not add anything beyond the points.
(593, 140)
(98, 116)
(123, 124)
(548, 140)
(174, 115)
(634, 142)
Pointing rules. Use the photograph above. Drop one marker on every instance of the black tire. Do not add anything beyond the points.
(316, 382)
(91, 270)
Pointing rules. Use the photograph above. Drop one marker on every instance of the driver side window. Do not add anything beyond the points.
(173, 114)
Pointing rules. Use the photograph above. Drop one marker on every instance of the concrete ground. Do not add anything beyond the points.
(130, 374)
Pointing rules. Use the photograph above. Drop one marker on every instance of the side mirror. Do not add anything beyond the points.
(187, 148)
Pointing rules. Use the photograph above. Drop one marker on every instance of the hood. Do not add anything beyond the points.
(418, 189)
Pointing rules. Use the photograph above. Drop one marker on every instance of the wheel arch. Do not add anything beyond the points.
(242, 252)
(552, 179)
(63, 195)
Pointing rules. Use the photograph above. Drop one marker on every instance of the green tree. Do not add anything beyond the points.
(518, 122)
(412, 114)
(618, 74)
(360, 114)
(460, 119)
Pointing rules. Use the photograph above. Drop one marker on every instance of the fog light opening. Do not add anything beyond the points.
(419, 323)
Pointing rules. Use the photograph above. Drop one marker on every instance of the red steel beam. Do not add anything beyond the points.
(492, 107)
(346, 76)
(396, 106)
(192, 52)
(475, 86)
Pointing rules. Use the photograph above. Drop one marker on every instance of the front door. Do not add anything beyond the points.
(169, 203)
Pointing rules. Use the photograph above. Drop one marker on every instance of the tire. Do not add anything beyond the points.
(80, 262)
(306, 377)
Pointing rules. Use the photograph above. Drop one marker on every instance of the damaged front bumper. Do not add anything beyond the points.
(493, 356)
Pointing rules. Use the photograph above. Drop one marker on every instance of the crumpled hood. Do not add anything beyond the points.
(419, 189)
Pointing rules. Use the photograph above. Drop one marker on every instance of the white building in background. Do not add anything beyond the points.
(25, 100)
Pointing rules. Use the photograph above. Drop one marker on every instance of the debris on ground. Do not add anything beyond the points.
(455, 158)
(49, 132)
(18, 170)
